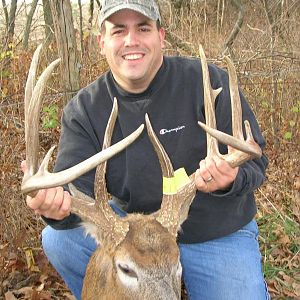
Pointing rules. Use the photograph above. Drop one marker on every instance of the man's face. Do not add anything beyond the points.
(132, 44)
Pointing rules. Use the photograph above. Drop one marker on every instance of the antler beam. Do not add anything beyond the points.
(243, 150)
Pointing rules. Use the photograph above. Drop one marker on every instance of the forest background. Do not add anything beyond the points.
(260, 36)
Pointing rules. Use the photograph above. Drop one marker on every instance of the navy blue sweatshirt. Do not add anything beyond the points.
(174, 102)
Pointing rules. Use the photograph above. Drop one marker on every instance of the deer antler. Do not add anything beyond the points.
(244, 150)
(170, 214)
(36, 178)
(175, 205)
(112, 226)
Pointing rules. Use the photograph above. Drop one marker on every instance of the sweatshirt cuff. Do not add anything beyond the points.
(70, 222)
(233, 189)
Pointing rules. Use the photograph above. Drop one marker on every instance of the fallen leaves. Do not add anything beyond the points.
(28, 275)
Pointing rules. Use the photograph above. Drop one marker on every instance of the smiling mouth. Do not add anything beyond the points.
(133, 56)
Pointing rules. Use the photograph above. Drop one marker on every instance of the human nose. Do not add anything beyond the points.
(131, 39)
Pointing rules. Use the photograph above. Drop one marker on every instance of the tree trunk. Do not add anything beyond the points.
(274, 101)
(66, 44)
(49, 31)
(4, 5)
(81, 28)
(11, 23)
(28, 24)
(237, 26)
(7, 43)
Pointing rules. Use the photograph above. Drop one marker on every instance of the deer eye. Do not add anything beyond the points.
(127, 270)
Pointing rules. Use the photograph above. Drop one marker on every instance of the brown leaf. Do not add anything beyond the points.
(284, 240)
(69, 296)
(296, 287)
(287, 279)
(272, 287)
(10, 296)
(45, 295)
(297, 183)
(31, 265)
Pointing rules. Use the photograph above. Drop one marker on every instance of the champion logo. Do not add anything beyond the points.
(165, 131)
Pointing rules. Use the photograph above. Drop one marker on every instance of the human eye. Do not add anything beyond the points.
(117, 31)
(145, 28)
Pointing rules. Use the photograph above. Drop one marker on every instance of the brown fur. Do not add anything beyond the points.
(155, 254)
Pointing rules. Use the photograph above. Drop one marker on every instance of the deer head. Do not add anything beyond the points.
(137, 257)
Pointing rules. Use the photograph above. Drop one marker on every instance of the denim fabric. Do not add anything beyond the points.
(222, 269)
(227, 268)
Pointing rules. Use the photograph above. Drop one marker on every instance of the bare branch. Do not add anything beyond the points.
(237, 26)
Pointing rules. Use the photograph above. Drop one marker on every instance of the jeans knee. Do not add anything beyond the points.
(50, 242)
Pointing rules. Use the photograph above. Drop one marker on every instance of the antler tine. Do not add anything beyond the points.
(164, 160)
(169, 214)
(32, 110)
(243, 150)
(100, 189)
(30, 83)
(99, 212)
(34, 180)
(236, 107)
(210, 96)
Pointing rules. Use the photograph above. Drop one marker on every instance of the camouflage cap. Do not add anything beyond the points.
(148, 8)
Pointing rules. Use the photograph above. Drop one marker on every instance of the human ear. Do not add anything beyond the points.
(100, 40)
(162, 34)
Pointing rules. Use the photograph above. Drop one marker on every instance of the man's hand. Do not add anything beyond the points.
(214, 174)
(54, 203)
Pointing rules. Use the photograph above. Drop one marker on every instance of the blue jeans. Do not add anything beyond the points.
(227, 268)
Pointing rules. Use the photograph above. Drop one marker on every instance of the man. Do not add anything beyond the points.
(218, 243)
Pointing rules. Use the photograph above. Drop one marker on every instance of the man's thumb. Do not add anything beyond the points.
(23, 166)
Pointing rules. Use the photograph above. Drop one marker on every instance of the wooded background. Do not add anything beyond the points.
(260, 36)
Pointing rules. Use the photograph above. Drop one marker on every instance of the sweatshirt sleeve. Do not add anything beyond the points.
(251, 174)
(77, 143)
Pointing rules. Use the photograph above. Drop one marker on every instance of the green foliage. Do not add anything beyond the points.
(4, 56)
(7, 53)
(264, 104)
(50, 117)
(288, 135)
(279, 235)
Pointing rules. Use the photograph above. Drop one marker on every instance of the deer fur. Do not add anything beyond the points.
(145, 265)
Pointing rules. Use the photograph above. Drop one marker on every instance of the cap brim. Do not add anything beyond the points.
(147, 13)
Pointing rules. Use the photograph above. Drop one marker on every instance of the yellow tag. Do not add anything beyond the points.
(169, 186)
(173, 184)
(181, 178)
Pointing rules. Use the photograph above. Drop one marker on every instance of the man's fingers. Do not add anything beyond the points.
(57, 199)
(204, 171)
(48, 199)
(214, 174)
(65, 208)
(200, 183)
(23, 166)
(37, 201)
